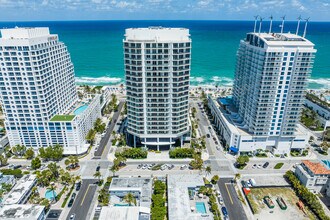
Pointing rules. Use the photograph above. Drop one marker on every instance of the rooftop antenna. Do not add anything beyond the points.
(271, 23)
(255, 23)
(299, 19)
(282, 26)
(305, 27)
(260, 24)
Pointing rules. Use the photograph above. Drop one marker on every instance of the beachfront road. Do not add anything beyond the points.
(84, 199)
(230, 198)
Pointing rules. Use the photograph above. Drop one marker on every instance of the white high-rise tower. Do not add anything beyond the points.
(157, 68)
(38, 91)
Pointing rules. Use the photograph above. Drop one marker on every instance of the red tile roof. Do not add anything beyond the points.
(316, 168)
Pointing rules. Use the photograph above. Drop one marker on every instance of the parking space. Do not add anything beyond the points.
(53, 214)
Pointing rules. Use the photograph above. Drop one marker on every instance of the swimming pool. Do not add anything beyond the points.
(200, 207)
(80, 110)
(121, 205)
(50, 194)
(327, 163)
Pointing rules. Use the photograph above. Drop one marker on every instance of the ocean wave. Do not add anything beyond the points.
(323, 82)
(222, 79)
(196, 79)
(98, 80)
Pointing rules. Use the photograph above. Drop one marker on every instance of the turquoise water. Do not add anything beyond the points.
(327, 163)
(80, 110)
(97, 53)
(50, 195)
(200, 207)
(121, 205)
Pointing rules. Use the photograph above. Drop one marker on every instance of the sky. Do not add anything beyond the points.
(31, 10)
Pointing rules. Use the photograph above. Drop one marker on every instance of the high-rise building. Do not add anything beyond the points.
(38, 92)
(272, 71)
(157, 68)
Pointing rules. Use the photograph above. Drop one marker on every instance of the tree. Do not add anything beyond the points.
(237, 176)
(35, 163)
(197, 162)
(73, 161)
(99, 126)
(29, 154)
(215, 179)
(242, 160)
(130, 199)
(3, 160)
(193, 112)
(324, 146)
(91, 136)
(114, 169)
(53, 168)
(98, 175)
(208, 170)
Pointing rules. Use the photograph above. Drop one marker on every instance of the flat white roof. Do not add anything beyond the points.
(178, 197)
(22, 187)
(26, 211)
(24, 33)
(125, 213)
(157, 34)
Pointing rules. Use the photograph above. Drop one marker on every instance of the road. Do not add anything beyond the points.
(84, 199)
(106, 139)
(230, 198)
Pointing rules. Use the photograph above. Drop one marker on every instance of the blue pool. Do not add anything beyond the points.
(200, 207)
(121, 205)
(50, 195)
(327, 163)
(80, 110)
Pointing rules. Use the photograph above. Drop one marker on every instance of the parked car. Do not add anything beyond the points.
(103, 134)
(73, 196)
(163, 167)
(208, 135)
(70, 203)
(254, 166)
(220, 200)
(170, 167)
(98, 167)
(183, 167)
(224, 211)
(265, 165)
(139, 166)
(78, 185)
(144, 166)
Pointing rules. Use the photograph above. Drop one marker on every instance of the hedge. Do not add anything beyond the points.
(278, 166)
(158, 208)
(67, 196)
(16, 172)
(182, 153)
(133, 153)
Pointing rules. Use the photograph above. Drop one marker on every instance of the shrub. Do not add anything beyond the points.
(17, 172)
(215, 179)
(133, 153)
(278, 166)
(182, 153)
(158, 208)
(67, 196)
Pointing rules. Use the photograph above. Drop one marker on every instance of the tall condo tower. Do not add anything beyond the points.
(157, 68)
(271, 77)
(38, 91)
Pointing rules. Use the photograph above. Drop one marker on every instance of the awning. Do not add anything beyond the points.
(233, 149)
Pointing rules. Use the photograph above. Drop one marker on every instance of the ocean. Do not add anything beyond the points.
(97, 53)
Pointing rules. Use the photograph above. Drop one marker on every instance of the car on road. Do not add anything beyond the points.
(265, 165)
(224, 211)
(96, 148)
(183, 167)
(70, 203)
(170, 166)
(72, 217)
(208, 135)
(73, 196)
(254, 166)
(103, 134)
(98, 167)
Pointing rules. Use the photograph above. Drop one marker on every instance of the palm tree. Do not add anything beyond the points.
(114, 169)
(97, 175)
(237, 176)
(52, 188)
(130, 199)
(208, 170)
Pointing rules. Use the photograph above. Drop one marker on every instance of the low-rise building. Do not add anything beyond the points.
(125, 213)
(21, 192)
(321, 108)
(235, 136)
(314, 175)
(27, 212)
(7, 179)
(181, 191)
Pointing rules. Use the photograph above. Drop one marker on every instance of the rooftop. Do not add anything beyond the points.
(24, 32)
(143, 185)
(178, 197)
(124, 213)
(62, 118)
(316, 167)
(22, 187)
(28, 212)
(157, 34)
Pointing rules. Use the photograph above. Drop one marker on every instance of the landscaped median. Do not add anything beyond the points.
(278, 166)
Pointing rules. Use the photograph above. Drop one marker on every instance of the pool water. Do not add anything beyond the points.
(50, 195)
(80, 110)
(327, 163)
(200, 207)
(121, 205)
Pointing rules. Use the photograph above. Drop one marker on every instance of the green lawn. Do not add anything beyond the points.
(62, 118)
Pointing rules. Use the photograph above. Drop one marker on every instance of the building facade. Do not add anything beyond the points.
(315, 176)
(37, 83)
(157, 69)
(269, 90)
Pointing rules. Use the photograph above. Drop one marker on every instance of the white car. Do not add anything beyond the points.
(183, 167)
